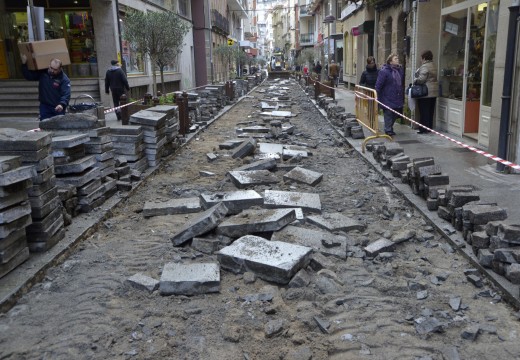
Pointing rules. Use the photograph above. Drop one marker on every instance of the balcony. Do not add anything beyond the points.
(307, 39)
(219, 22)
(305, 11)
(239, 7)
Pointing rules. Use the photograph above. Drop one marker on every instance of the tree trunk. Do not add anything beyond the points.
(154, 73)
(162, 80)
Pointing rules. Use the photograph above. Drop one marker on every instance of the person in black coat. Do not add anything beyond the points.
(115, 81)
(53, 88)
(317, 69)
(369, 76)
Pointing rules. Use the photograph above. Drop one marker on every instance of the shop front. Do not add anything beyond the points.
(68, 19)
(466, 68)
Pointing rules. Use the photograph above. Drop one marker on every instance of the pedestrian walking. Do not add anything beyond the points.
(334, 73)
(115, 81)
(390, 91)
(53, 87)
(427, 74)
(369, 76)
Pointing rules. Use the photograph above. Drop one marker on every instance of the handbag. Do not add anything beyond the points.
(418, 91)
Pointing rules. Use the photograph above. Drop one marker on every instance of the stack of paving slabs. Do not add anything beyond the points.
(15, 212)
(74, 167)
(211, 101)
(503, 255)
(128, 142)
(34, 148)
(99, 144)
(154, 131)
(194, 111)
(172, 126)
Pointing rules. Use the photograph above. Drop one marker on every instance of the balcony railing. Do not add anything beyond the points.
(306, 39)
(305, 11)
(219, 22)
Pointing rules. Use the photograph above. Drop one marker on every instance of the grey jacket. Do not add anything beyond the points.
(427, 74)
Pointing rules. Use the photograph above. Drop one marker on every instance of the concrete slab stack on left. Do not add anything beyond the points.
(15, 212)
(34, 148)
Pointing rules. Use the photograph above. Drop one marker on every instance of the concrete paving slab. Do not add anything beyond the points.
(235, 201)
(230, 144)
(75, 167)
(14, 213)
(243, 179)
(255, 129)
(309, 202)
(265, 164)
(143, 282)
(189, 279)
(200, 224)
(172, 207)
(378, 246)
(8, 163)
(69, 141)
(326, 243)
(245, 149)
(19, 174)
(274, 261)
(256, 221)
(303, 176)
(148, 118)
(12, 139)
(336, 222)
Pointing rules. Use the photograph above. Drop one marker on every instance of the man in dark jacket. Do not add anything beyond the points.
(115, 80)
(53, 88)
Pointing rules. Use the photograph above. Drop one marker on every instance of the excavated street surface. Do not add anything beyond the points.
(412, 303)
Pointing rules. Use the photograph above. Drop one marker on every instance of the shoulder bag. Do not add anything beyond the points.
(418, 91)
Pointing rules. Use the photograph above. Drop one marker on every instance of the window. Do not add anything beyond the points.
(183, 8)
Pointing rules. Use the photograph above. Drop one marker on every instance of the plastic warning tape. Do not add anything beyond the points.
(120, 107)
(466, 146)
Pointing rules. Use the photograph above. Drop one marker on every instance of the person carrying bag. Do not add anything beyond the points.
(425, 91)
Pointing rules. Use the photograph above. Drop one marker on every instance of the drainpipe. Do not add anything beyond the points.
(210, 40)
(505, 114)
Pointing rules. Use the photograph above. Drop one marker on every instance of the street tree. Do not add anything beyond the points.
(160, 35)
(231, 56)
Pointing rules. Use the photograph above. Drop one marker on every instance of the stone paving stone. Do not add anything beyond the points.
(254, 129)
(507, 255)
(12, 245)
(243, 179)
(513, 273)
(230, 144)
(265, 164)
(458, 199)
(8, 228)
(290, 153)
(40, 246)
(189, 279)
(14, 213)
(71, 121)
(69, 141)
(76, 166)
(79, 180)
(510, 233)
(148, 118)
(211, 156)
(143, 282)
(200, 224)
(482, 214)
(270, 260)
(303, 176)
(17, 175)
(171, 207)
(309, 202)
(256, 221)
(235, 201)
(378, 246)
(12, 139)
(205, 245)
(321, 241)
(14, 262)
(485, 257)
(245, 149)
(8, 163)
(336, 222)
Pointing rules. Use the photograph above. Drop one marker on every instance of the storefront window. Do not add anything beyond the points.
(489, 56)
(134, 62)
(451, 59)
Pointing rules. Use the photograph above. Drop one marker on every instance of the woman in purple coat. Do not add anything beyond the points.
(390, 91)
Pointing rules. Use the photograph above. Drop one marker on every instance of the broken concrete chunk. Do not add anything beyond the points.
(303, 176)
(172, 207)
(309, 202)
(256, 221)
(245, 149)
(429, 325)
(269, 260)
(381, 245)
(455, 303)
(265, 164)
(189, 279)
(475, 280)
(200, 224)
(336, 222)
(143, 282)
(470, 333)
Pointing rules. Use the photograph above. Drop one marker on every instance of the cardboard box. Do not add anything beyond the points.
(40, 53)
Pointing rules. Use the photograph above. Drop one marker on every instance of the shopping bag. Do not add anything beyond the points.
(411, 100)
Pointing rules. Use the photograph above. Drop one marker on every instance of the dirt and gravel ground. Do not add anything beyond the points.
(85, 310)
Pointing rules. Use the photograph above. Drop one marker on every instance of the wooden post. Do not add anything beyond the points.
(155, 101)
(147, 99)
(123, 100)
(316, 89)
(186, 113)
(180, 103)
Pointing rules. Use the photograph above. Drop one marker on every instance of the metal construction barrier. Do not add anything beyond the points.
(367, 113)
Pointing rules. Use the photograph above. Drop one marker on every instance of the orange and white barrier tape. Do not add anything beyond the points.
(460, 143)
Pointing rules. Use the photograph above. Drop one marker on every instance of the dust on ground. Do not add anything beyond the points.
(366, 308)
